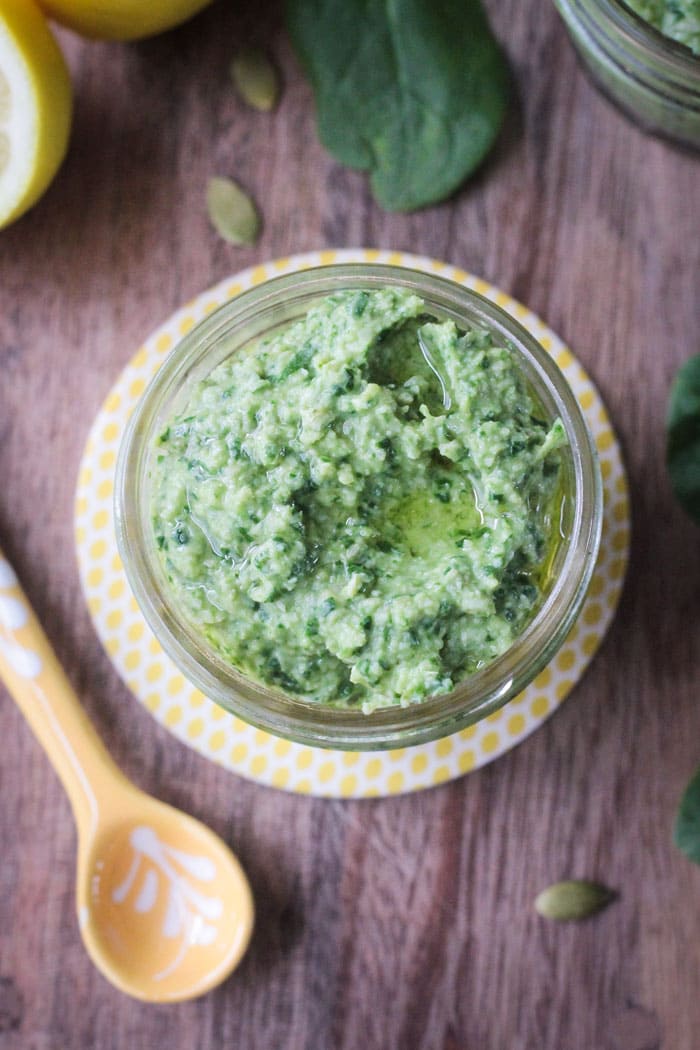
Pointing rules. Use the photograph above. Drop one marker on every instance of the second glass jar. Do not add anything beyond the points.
(653, 79)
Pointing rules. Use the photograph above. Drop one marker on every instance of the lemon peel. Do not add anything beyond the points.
(121, 19)
(35, 107)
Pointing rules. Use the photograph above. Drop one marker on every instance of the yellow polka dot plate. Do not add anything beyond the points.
(258, 755)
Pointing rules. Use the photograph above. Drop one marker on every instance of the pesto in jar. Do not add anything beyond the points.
(360, 510)
(679, 20)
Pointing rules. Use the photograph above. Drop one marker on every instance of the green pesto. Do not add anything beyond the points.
(359, 509)
(677, 19)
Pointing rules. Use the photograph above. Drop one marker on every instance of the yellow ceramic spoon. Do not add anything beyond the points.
(164, 907)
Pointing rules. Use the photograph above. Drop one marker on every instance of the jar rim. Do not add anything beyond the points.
(306, 721)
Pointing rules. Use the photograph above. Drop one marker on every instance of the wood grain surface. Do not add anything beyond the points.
(404, 924)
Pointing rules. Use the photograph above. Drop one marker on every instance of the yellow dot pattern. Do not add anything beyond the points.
(255, 754)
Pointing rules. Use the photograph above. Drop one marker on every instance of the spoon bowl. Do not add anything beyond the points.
(164, 907)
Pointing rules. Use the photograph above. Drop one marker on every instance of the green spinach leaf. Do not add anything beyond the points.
(412, 90)
(686, 833)
(683, 447)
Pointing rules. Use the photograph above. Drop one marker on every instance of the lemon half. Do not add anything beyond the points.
(35, 107)
(121, 19)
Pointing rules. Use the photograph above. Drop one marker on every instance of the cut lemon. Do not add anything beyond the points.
(121, 19)
(35, 107)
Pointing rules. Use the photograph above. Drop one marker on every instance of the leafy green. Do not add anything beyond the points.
(683, 460)
(686, 833)
(683, 445)
(412, 90)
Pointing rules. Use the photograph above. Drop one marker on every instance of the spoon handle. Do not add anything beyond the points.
(34, 677)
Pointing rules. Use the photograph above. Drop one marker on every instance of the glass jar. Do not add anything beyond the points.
(254, 314)
(653, 79)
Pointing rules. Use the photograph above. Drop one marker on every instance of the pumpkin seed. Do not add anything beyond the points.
(232, 212)
(573, 899)
(255, 78)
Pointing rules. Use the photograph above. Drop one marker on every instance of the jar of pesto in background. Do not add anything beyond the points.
(258, 313)
(655, 80)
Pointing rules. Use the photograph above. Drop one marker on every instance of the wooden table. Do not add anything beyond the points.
(404, 924)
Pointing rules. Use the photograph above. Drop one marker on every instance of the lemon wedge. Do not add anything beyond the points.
(35, 107)
(121, 19)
